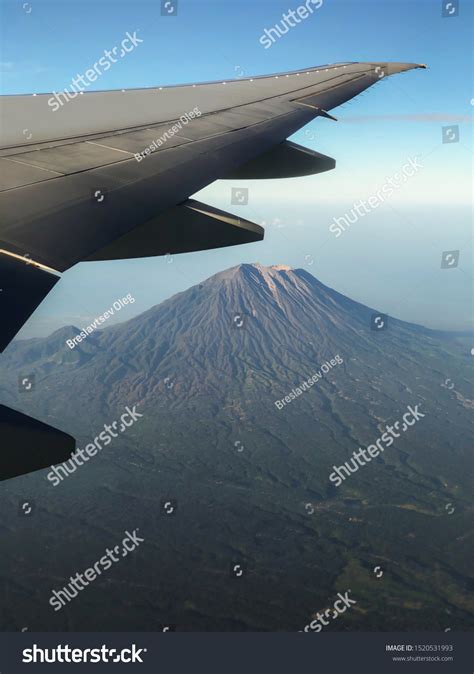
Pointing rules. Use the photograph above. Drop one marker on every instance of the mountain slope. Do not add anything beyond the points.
(205, 368)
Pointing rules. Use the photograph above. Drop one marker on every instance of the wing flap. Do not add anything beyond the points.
(137, 141)
(17, 174)
(72, 158)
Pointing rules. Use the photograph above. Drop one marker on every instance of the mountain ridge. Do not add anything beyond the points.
(248, 269)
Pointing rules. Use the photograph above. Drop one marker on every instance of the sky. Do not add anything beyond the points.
(390, 259)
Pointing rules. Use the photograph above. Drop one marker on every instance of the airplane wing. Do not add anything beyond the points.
(109, 174)
(29, 445)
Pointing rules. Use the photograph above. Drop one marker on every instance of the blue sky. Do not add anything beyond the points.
(390, 259)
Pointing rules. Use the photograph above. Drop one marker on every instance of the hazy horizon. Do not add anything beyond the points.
(42, 326)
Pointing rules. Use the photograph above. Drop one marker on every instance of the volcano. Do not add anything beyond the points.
(250, 478)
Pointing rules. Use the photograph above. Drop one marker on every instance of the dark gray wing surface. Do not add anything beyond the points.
(75, 185)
